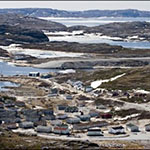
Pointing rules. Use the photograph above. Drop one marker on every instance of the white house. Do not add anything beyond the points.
(44, 129)
(61, 129)
(26, 125)
(73, 120)
(94, 132)
(116, 130)
(34, 74)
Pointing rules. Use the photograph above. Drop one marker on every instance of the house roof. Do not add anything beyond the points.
(90, 125)
(33, 72)
(131, 125)
(94, 129)
(147, 124)
(118, 127)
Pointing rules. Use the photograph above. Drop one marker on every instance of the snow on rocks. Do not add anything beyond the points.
(15, 49)
(142, 91)
(126, 118)
(96, 84)
(67, 71)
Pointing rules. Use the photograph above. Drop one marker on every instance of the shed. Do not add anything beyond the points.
(132, 128)
(69, 97)
(44, 129)
(73, 120)
(40, 123)
(33, 118)
(31, 115)
(8, 116)
(61, 129)
(147, 127)
(46, 76)
(49, 117)
(85, 117)
(26, 125)
(106, 115)
(88, 89)
(77, 83)
(62, 116)
(100, 107)
(54, 91)
(117, 130)
(56, 122)
(34, 74)
(115, 94)
(71, 109)
(17, 120)
(94, 114)
(94, 132)
(48, 111)
(83, 126)
(61, 107)
(9, 105)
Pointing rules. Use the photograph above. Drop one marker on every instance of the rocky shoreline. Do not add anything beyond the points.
(131, 30)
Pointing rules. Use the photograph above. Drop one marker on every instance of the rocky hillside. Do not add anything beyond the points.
(48, 12)
(22, 29)
(4, 53)
(101, 48)
(30, 22)
(12, 34)
(123, 30)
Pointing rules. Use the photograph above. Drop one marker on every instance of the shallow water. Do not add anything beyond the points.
(8, 69)
(98, 39)
(4, 84)
(95, 21)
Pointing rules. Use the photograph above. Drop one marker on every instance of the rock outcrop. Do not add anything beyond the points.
(135, 30)
(18, 35)
(4, 53)
(30, 22)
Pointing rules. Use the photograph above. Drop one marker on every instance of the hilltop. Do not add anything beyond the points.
(48, 12)
(20, 29)
(28, 22)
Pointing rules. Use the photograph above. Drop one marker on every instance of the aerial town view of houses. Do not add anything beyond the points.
(74, 79)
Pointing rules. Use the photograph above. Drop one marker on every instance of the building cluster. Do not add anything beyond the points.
(68, 120)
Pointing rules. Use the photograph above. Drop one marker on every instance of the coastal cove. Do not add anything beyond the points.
(81, 37)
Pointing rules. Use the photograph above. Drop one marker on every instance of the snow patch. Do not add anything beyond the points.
(142, 91)
(67, 71)
(64, 33)
(133, 37)
(127, 117)
(97, 83)
(15, 49)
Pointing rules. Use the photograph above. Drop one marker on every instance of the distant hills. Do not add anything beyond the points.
(18, 28)
(48, 12)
